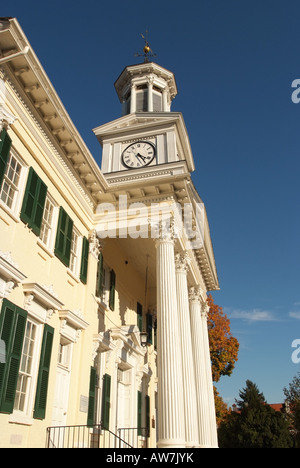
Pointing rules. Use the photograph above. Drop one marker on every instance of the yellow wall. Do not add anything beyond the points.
(41, 266)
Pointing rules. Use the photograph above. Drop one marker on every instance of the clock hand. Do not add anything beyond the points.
(140, 156)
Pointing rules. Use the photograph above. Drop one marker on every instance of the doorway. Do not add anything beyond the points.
(61, 396)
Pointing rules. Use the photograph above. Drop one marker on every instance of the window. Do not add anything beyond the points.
(43, 374)
(11, 182)
(100, 277)
(5, 145)
(63, 241)
(106, 284)
(142, 99)
(92, 397)
(149, 328)
(26, 368)
(20, 377)
(12, 330)
(143, 415)
(157, 101)
(34, 202)
(64, 354)
(84, 260)
(139, 311)
(112, 290)
(105, 414)
(46, 234)
(74, 252)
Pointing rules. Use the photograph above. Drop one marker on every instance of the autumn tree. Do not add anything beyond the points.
(222, 409)
(223, 351)
(223, 346)
(292, 396)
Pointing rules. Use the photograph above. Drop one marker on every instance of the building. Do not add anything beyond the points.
(103, 272)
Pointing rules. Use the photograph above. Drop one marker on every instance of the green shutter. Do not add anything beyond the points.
(64, 237)
(43, 375)
(139, 413)
(99, 285)
(147, 398)
(92, 397)
(149, 328)
(139, 311)
(84, 260)
(155, 334)
(5, 145)
(34, 202)
(12, 329)
(106, 401)
(112, 290)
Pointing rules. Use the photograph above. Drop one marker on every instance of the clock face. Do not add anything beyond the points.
(138, 154)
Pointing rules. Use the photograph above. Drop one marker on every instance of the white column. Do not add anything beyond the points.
(201, 372)
(171, 423)
(124, 107)
(209, 381)
(150, 94)
(133, 99)
(189, 387)
(165, 100)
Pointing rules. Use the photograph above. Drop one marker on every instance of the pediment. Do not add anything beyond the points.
(136, 121)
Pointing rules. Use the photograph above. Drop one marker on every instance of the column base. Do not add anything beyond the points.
(192, 445)
(170, 443)
(207, 446)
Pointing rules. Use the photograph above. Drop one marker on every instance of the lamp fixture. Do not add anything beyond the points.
(144, 338)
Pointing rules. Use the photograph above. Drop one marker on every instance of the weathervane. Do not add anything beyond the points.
(147, 50)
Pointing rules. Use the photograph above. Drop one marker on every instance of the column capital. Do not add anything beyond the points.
(182, 262)
(164, 231)
(204, 310)
(6, 119)
(95, 246)
(150, 80)
(195, 294)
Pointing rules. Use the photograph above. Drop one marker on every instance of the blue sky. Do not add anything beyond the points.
(234, 64)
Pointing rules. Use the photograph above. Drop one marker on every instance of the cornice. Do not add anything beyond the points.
(36, 86)
(132, 71)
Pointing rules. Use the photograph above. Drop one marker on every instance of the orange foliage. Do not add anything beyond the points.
(223, 346)
(222, 409)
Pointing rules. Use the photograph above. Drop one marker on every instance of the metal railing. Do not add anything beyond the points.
(94, 436)
(137, 437)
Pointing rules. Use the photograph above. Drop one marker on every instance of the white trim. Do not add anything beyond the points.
(40, 301)
(72, 323)
(15, 210)
(10, 275)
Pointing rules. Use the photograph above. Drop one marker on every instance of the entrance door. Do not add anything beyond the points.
(60, 405)
(61, 396)
(124, 406)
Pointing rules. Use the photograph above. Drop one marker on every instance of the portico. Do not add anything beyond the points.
(174, 290)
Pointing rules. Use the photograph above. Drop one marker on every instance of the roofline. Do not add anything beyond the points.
(34, 64)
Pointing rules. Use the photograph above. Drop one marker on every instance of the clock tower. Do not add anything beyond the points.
(147, 162)
(149, 140)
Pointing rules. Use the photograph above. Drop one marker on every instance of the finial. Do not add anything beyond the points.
(147, 49)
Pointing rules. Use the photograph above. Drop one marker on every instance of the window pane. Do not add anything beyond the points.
(46, 227)
(11, 182)
(74, 252)
(25, 367)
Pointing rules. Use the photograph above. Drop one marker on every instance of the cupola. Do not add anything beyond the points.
(146, 87)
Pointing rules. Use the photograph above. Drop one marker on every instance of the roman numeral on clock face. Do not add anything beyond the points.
(138, 154)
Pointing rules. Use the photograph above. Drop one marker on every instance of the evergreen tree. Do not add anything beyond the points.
(255, 424)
